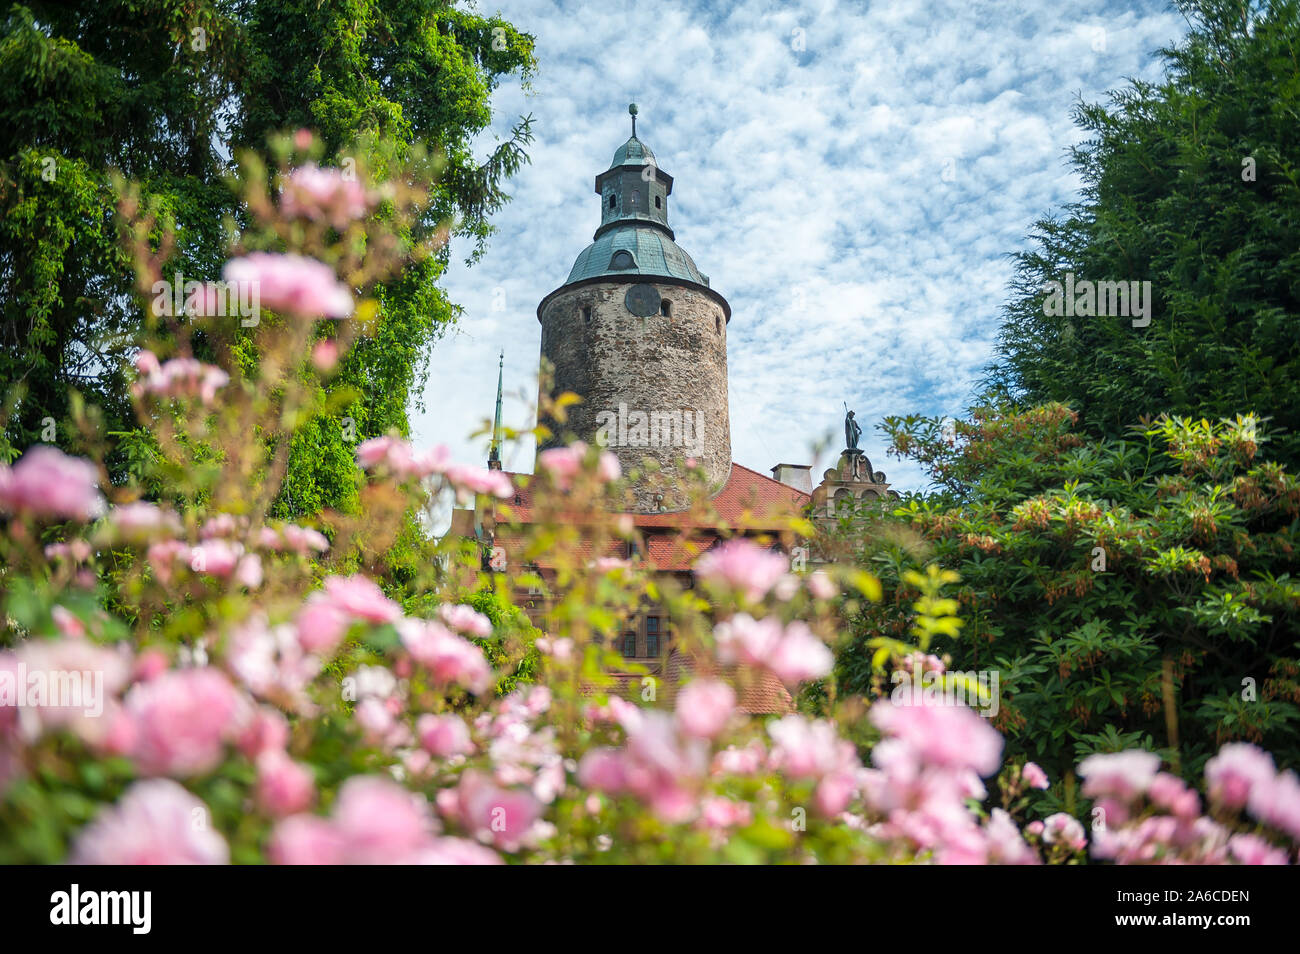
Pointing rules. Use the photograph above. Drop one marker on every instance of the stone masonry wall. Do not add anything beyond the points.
(651, 387)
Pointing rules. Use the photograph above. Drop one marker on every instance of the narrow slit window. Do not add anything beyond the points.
(658, 203)
(612, 200)
(666, 308)
(586, 314)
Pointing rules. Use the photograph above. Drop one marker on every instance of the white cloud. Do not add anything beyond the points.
(880, 174)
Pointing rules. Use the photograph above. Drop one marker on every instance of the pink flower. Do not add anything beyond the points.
(563, 463)
(271, 662)
(809, 749)
(500, 815)
(266, 731)
(458, 851)
(49, 484)
(792, 652)
(140, 521)
(945, 736)
(156, 822)
(1033, 775)
(380, 822)
(306, 840)
(603, 769)
(1233, 774)
(163, 555)
(608, 468)
(820, 585)
(181, 377)
(183, 719)
(444, 735)
(704, 707)
(320, 624)
(744, 566)
(450, 659)
(800, 656)
(1253, 850)
(150, 664)
(724, 813)
(1276, 802)
(1064, 829)
(474, 480)
(283, 785)
(304, 540)
(216, 557)
(392, 453)
(466, 619)
(1169, 791)
(78, 551)
(325, 355)
(1122, 774)
(67, 623)
(292, 284)
(325, 195)
(248, 572)
(361, 598)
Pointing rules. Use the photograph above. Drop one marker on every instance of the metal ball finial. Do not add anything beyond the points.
(631, 108)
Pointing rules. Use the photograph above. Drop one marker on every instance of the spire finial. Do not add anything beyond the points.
(494, 455)
(632, 110)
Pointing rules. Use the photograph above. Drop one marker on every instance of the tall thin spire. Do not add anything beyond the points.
(632, 109)
(494, 455)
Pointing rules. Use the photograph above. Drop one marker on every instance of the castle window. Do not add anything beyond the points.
(612, 200)
(658, 204)
(635, 196)
(717, 323)
(586, 314)
(628, 645)
(652, 637)
(666, 308)
(622, 259)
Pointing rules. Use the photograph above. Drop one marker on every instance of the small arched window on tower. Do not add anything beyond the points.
(622, 259)
(665, 308)
(586, 314)
(658, 203)
(635, 196)
(612, 199)
(717, 323)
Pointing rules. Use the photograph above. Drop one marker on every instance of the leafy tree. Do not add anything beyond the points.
(166, 93)
(1191, 184)
(1133, 591)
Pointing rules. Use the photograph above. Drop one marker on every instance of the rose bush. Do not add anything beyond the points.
(189, 680)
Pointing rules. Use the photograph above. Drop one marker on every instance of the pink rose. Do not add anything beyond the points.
(306, 840)
(704, 707)
(156, 822)
(1033, 776)
(49, 484)
(444, 735)
(743, 566)
(183, 719)
(292, 284)
(283, 785)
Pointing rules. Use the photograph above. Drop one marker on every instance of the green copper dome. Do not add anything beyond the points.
(633, 153)
(634, 240)
(653, 254)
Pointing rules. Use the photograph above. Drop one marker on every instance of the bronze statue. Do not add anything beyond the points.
(852, 431)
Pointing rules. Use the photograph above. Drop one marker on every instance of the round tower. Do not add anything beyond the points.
(637, 332)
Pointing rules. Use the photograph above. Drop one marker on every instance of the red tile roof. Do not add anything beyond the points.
(746, 496)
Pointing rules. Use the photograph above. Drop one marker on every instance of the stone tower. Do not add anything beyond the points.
(637, 332)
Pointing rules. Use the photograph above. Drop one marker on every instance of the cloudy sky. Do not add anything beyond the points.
(851, 177)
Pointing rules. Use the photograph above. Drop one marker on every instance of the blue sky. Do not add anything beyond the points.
(851, 177)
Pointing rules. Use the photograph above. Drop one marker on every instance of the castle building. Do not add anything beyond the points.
(637, 331)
